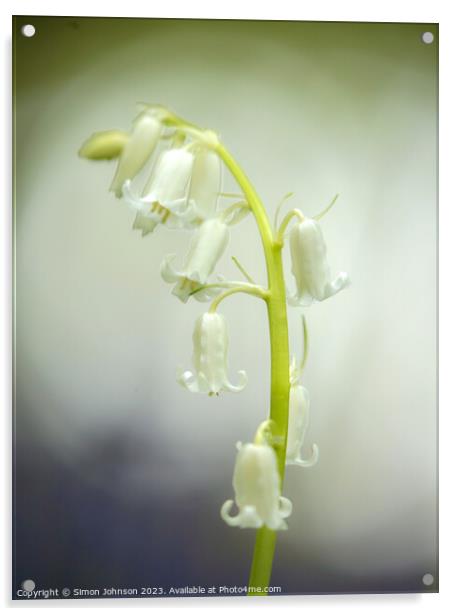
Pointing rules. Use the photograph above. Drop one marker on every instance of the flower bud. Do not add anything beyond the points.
(104, 145)
(210, 341)
(143, 139)
(256, 485)
(207, 246)
(309, 265)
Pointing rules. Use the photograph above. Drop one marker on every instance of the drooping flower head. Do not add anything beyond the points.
(145, 134)
(181, 192)
(309, 265)
(299, 410)
(207, 246)
(205, 185)
(166, 192)
(210, 341)
(256, 485)
(298, 422)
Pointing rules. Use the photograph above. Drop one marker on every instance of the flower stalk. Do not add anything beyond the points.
(264, 549)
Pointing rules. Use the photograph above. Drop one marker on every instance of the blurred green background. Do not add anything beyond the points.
(120, 473)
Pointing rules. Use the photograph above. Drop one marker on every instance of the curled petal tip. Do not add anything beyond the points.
(286, 507)
(309, 461)
(230, 520)
(246, 518)
(243, 380)
(169, 273)
(188, 380)
(338, 284)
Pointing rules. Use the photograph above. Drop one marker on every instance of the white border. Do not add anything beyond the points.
(388, 10)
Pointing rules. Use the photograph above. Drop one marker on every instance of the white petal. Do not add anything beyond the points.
(309, 461)
(183, 215)
(184, 287)
(246, 518)
(277, 523)
(249, 517)
(230, 520)
(141, 144)
(205, 183)
(169, 181)
(189, 381)
(285, 507)
(339, 283)
(144, 224)
(237, 215)
(180, 207)
(169, 273)
(134, 201)
(207, 246)
(242, 383)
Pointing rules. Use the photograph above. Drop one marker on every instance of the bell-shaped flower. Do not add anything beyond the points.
(143, 139)
(104, 145)
(166, 194)
(298, 422)
(210, 340)
(207, 246)
(181, 192)
(205, 185)
(309, 265)
(256, 485)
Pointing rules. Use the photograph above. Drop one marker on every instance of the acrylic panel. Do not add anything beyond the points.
(137, 139)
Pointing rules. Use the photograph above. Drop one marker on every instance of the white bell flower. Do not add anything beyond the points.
(205, 184)
(298, 422)
(210, 340)
(256, 485)
(143, 139)
(309, 265)
(207, 246)
(166, 194)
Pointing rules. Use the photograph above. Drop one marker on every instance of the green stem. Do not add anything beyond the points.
(261, 566)
(244, 288)
(287, 219)
(264, 550)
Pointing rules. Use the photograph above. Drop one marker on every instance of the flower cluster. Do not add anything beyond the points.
(182, 192)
